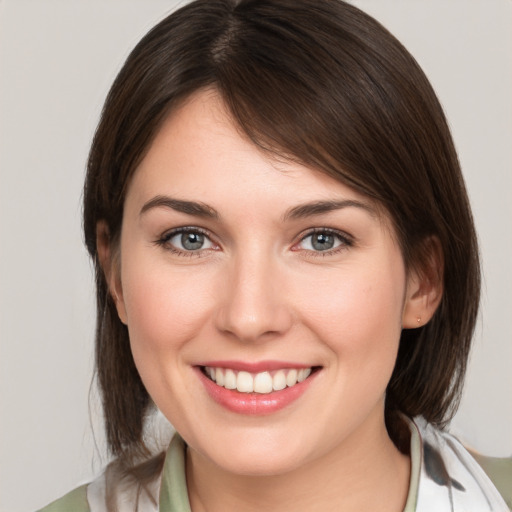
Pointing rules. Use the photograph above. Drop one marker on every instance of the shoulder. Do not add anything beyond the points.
(499, 470)
(132, 490)
(451, 476)
(92, 497)
(74, 501)
(125, 492)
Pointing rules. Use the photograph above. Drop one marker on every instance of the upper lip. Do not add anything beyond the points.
(255, 367)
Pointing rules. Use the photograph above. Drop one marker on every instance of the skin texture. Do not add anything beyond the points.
(258, 291)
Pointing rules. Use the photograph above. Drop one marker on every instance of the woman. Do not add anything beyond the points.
(286, 266)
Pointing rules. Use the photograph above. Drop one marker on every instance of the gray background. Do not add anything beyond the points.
(57, 60)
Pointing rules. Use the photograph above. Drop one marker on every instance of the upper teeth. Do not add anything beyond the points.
(263, 382)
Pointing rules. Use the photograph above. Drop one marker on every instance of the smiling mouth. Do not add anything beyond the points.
(262, 382)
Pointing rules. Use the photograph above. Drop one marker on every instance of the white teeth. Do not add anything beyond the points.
(244, 382)
(303, 374)
(263, 382)
(291, 378)
(279, 381)
(230, 379)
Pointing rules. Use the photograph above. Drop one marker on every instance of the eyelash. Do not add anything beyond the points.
(164, 240)
(346, 241)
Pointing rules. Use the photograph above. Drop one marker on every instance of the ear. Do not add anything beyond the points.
(109, 261)
(424, 285)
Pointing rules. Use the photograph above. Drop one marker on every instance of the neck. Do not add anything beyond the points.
(366, 472)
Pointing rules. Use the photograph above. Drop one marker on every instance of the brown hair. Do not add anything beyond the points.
(320, 82)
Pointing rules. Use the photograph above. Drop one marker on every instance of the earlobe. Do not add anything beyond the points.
(424, 286)
(110, 266)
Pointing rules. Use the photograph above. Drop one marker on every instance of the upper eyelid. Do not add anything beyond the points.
(337, 232)
(185, 229)
(347, 241)
(166, 236)
(302, 234)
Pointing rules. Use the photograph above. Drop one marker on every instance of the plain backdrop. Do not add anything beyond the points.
(57, 60)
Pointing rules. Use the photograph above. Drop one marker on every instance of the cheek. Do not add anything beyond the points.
(166, 311)
(164, 308)
(358, 312)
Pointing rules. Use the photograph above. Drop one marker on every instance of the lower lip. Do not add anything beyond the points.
(254, 403)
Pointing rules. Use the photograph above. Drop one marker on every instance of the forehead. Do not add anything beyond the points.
(201, 153)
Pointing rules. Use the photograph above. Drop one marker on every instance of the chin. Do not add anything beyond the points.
(261, 466)
(259, 455)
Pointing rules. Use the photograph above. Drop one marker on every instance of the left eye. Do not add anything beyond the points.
(190, 241)
(321, 241)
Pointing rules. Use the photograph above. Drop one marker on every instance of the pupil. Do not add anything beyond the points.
(323, 242)
(192, 241)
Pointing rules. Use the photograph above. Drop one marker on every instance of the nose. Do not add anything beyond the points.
(254, 306)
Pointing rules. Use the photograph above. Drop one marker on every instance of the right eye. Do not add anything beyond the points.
(186, 240)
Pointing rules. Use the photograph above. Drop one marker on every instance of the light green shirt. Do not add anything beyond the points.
(443, 477)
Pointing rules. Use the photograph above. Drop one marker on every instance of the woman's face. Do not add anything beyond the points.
(240, 272)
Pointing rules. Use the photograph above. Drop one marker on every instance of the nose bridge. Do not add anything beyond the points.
(254, 304)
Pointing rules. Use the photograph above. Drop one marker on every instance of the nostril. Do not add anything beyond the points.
(256, 325)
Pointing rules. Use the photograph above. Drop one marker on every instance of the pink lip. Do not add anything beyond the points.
(253, 403)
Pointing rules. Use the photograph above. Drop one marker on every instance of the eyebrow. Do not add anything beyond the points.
(189, 207)
(301, 211)
(320, 207)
